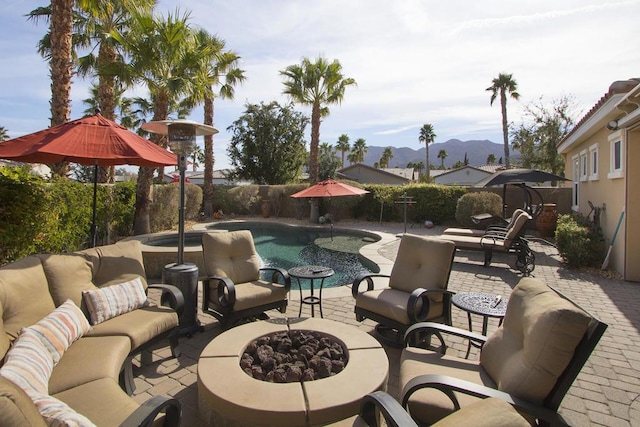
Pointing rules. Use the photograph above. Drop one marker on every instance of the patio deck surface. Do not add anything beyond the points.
(605, 393)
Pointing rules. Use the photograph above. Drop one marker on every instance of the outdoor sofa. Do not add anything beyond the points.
(70, 327)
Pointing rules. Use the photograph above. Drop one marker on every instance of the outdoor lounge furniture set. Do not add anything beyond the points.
(57, 365)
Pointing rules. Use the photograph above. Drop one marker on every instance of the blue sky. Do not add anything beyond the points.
(415, 61)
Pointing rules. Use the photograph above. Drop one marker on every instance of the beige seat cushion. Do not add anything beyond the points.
(139, 325)
(231, 254)
(24, 295)
(474, 242)
(431, 405)
(392, 304)
(255, 293)
(422, 262)
(537, 340)
(16, 408)
(102, 401)
(88, 359)
(491, 412)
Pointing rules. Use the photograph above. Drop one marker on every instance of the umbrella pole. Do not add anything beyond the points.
(94, 236)
(504, 201)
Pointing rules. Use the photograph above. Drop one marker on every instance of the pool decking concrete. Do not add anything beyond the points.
(606, 393)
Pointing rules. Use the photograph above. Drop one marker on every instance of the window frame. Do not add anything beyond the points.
(594, 158)
(575, 185)
(616, 145)
(584, 166)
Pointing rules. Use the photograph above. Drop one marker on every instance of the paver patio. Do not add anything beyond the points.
(606, 392)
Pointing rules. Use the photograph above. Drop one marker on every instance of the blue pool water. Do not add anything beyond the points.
(280, 245)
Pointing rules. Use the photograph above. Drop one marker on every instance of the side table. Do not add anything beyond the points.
(483, 304)
(311, 272)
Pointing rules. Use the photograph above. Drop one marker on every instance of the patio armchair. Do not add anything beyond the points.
(508, 241)
(415, 291)
(234, 289)
(531, 360)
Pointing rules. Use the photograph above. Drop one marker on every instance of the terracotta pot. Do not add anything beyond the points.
(547, 220)
(266, 208)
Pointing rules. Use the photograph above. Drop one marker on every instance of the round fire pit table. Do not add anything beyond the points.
(227, 396)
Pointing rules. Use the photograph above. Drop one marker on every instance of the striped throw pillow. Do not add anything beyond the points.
(28, 364)
(57, 413)
(111, 301)
(60, 328)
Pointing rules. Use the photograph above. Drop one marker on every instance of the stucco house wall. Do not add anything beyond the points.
(600, 156)
(466, 175)
(365, 174)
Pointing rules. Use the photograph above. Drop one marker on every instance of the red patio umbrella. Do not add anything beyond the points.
(91, 140)
(329, 188)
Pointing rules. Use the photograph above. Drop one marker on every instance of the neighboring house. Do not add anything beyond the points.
(602, 154)
(42, 171)
(365, 174)
(466, 175)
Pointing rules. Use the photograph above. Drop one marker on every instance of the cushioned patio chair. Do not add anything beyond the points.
(510, 241)
(415, 291)
(531, 359)
(490, 412)
(504, 229)
(233, 289)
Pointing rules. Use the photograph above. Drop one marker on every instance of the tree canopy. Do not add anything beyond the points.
(267, 144)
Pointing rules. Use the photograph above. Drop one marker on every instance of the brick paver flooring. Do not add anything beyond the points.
(605, 393)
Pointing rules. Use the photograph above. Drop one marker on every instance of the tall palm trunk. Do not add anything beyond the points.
(141, 222)
(208, 160)
(106, 101)
(427, 172)
(315, 142)
(61, 30)
(505, 130)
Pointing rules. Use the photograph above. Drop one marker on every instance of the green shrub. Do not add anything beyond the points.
(477, 203)
(22, 205)
(578, 243)
(246, 200)
(193, 202)
(163, 210)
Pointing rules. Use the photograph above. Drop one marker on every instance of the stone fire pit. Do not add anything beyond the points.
(227, 396)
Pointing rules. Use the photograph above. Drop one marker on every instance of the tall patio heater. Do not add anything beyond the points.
(182, 139)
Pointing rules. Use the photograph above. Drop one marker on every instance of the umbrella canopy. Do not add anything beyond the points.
(329, 188)
(516, 176)
(91, 140)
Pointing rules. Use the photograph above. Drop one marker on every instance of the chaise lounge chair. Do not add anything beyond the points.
(479, 233)
(492, 241)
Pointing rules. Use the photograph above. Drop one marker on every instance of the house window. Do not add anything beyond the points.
(584, 165)
(593, 157)
(576, 183)
(617, 156)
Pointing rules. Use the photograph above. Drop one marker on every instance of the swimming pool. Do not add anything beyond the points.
(287, 246)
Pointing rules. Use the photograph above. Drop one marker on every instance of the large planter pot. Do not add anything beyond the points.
(547, 220)
(266, 208)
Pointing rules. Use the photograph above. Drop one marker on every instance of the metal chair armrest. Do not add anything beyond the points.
(448, 385)
(432, 328)
(225, 299)
(171, 296)
(149, 410)
(276, 273)
(368, 278)
(393, 414)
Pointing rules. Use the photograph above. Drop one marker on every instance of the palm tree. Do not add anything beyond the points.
(343, 145)
(359, 149)
(502, 85)
(216, 65)
(93, 23)
(197, 157)
(4, 135)
(386, 157)
(491, 159)
(318, 84)
(442, 154)
(427, 135)
(61, 66)
(164, 58)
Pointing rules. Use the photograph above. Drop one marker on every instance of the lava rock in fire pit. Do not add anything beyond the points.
(299, 355)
